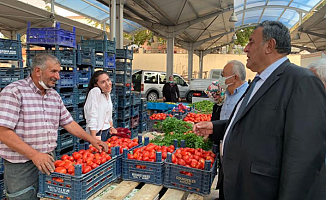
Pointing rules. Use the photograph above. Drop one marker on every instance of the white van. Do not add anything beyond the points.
(150, 83)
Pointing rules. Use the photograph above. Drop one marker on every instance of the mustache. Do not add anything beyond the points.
(53, 79)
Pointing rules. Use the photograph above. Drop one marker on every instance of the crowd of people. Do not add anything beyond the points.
(271, 132)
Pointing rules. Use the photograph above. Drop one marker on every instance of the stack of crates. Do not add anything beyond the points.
(2, 184)
(143, 116)
(99, 55)
(62, 44)
(11, 62)
(135, 114)
(123, 86)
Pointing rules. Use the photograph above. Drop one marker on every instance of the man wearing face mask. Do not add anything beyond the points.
(31, 112)
(171, 91)
(233, 80)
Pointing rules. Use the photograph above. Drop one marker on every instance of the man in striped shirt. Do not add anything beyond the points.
(31, 112)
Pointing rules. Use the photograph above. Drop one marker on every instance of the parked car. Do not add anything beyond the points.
(150, 83)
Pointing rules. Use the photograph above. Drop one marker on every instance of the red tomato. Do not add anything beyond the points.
(86, 169)
(59, 163)
(71, 158)
(181, 162)
(77, 155)
(60, 170)
(94, 165)
(103, 160)
(174, 159)
(64, 157)
(71, 170)
(67, 164)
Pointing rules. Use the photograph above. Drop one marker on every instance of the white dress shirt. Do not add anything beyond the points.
(263, 77)
(97, 110)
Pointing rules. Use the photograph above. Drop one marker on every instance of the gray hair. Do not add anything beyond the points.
(40, 61)
(279, 32)
(320, 67)
(239, 69)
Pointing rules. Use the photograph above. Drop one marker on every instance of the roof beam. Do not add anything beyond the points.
(312, 33)
(160, 11)
(304, 48)
(23, 30)
(95, 6)
(148, 24)
(285, 10)
(145, 10)
(271, 6)
(262, 13)
(243, 14)
(181, 10)
(21, 9)
(136, 13)
(197, 15)
(200, 42)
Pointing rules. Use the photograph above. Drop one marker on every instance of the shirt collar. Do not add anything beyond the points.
(270, 69)
(34, 88)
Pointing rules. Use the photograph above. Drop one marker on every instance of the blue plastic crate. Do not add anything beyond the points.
(1, 166)
(68, 150)
(51, 36)
(134, 111)
(79, 115)
(124, 123)
(143, 171)
(134, 122)
(124, 113)
(85, 58)
(134, 132)
(124, 102)
(27, 72)
(65, 139)
(78, 187)
(10, 49)
(123, 90)
(124, 54)
(80, 95)
(82, 144)
(2, 189)
(142, 126)
(123, 66)
(200, 181)
(66, 80)
(83, 76)
(67, 58)
(122, 78)
(143, 116)
(67, 98)
(115, 122)
(99, 45)
(135, 98)
(143, 105)
(9, 75)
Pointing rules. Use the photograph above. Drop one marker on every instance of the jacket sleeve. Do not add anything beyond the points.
(91, 108)
(163, 90)
(304, 143)
(177, 90)
(218, 130)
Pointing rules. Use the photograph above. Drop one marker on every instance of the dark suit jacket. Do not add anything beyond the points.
(277, 147)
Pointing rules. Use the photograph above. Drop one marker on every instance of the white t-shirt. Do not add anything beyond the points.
(97, 110)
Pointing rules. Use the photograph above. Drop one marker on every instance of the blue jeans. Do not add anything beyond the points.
(21, 180)
(105, 134)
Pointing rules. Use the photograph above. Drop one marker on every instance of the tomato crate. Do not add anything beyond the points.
(124, 102)
(134, 122)
(10, 49)
(124, 123)
(68, 150)
(142, 126)
(67, 98)
(67, 58)
(190, 179)
(124, 54)
(51, 36)
(151, 124)
(66, 80)
(134, 111)
(83, 76)
(105, 60)
(124, 113)
(85, 57)
(9, 75)
(98, 45)
(65, 139)
(82, 144)
(78, 187)
(123, 90)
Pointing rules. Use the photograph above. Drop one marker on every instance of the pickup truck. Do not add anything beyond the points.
(197, 87)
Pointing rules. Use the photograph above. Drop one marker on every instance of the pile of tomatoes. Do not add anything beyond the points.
(148, 152)
(194, 158)
(159, 116)
(122, 142)
(193, 117)
(89, 159)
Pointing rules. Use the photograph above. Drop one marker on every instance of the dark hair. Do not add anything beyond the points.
(279, 32)
(94, 80)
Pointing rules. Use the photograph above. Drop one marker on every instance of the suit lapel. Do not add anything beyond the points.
(266, 85)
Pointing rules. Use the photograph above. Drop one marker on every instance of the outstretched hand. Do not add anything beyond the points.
(100, 145)
(203, 128)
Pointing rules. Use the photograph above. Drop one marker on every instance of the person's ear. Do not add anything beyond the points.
(271, 46)
(38, 72)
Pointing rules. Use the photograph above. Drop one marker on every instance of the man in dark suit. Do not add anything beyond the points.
(274, 144)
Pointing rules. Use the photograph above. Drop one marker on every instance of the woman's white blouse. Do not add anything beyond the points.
(97, 110)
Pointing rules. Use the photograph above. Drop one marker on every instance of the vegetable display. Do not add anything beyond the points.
(193, 117)
(203, 106)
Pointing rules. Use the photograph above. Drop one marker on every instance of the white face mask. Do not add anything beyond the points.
(43, 84)
(222, 83)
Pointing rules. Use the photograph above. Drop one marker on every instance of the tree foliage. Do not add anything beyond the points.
(243, 36)
(142, 36)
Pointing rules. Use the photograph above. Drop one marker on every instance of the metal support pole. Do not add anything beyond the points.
(190, 60)
(170, 53)
(201, 61)
(119, 30)
(53, 14)
(113, 16)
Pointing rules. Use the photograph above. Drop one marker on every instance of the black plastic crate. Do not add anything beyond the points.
(143, 105)
(98, 45)
(51, 36)
(123, 90)
(124, 113)
(124, 54)
(135, 98)
(134, 111)
(123, 66)
(10, 49)
(142, 126)
(124, 102)
(143, 116)
(67, 58)
(9, 75)
(134, 132)
(68, 150)
(65, 139)
(67, 98)
(85, 57)
(2, 188)
(124, 123)
(1, 166)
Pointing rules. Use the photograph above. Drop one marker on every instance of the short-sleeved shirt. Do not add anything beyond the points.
(33, 117)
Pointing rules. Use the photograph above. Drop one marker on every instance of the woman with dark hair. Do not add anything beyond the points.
(98, 106)
(171, 91)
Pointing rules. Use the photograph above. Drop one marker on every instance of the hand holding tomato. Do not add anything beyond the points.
(44, 162)
(99, 145)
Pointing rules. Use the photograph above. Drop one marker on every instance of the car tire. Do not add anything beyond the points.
(152, 96)
(189, 97)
